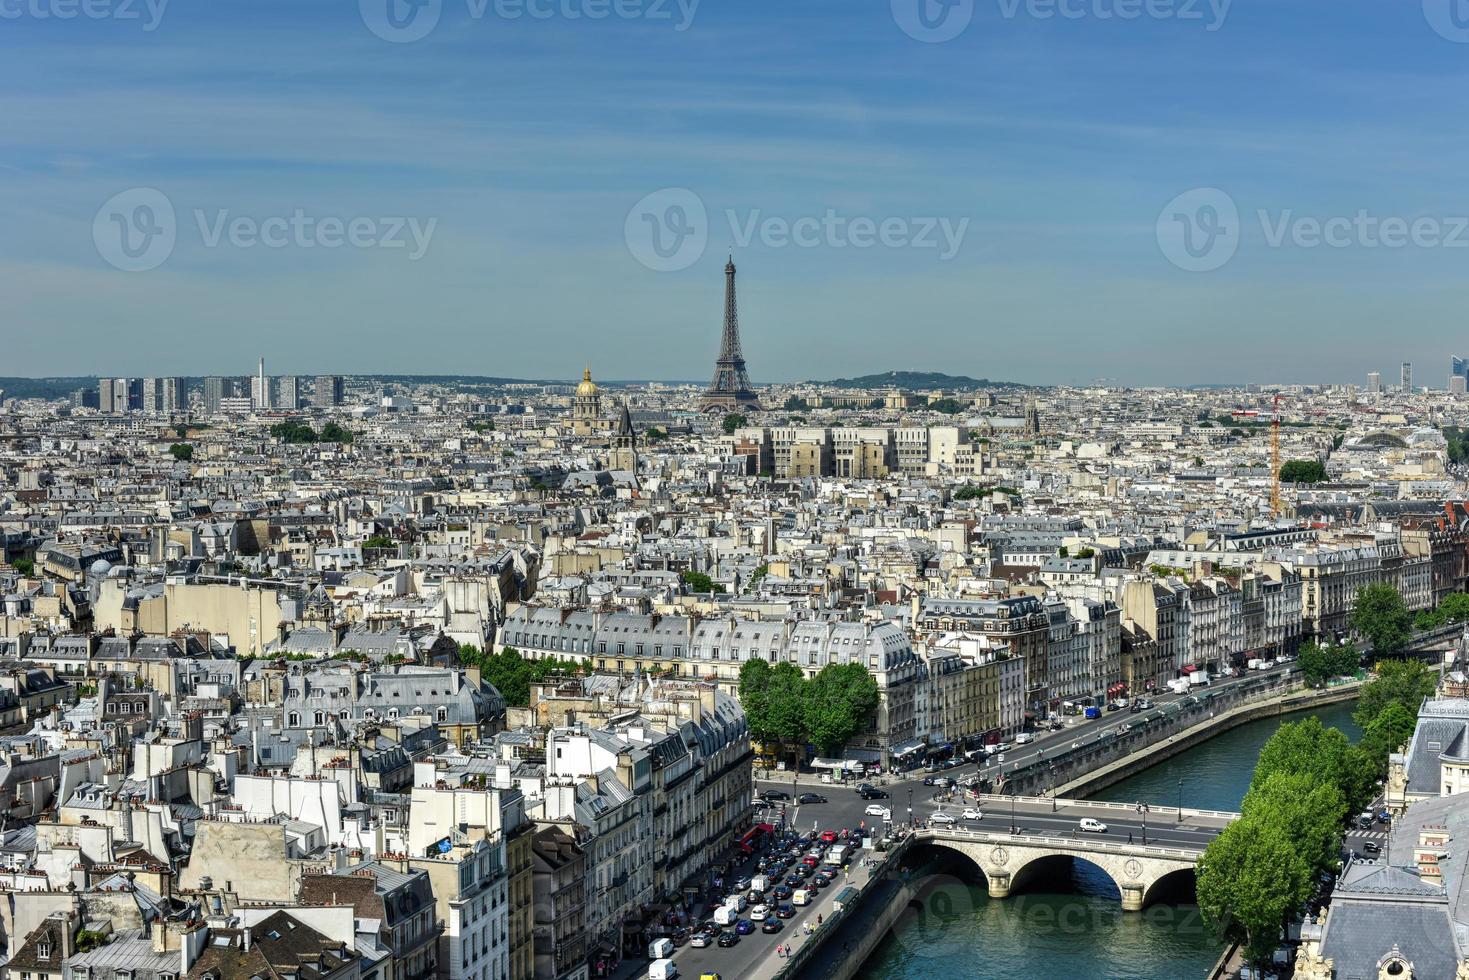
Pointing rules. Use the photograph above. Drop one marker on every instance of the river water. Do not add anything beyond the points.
(1074, 928)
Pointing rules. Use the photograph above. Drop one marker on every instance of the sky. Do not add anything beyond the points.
(1045, 191)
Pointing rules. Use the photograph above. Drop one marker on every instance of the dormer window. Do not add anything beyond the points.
(43, 949)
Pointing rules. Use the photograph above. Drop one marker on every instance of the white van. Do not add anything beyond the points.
(736, 902)
(759, 883)
(660, 949)
(1024, 738)
(1092, 825)
(662, 970)
(801, 897)
(725, 915)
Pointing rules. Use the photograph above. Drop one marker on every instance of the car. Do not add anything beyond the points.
(744, 927)
(876, 810)
(950, 763)
(774, 796)
(946, 819)
(1371, 847)
(700, 939)
(930, 780)
(785, 910)
(742, 884)
(1135, 709)
(782, 893)
(873, 794)
(828, 836)
(728, 939)
(1092, 825)
(795, 880)
(759, 913)
(771, 925)
(810, 798)
(821, 881)
(680, 936)
(971, 814)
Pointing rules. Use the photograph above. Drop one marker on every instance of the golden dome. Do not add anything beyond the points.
(586, 389)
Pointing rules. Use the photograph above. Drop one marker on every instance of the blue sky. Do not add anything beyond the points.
(521, 148)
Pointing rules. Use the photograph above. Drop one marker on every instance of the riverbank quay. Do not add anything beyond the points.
(1211, 724)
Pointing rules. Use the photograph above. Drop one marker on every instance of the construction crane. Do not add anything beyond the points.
(1275, 459)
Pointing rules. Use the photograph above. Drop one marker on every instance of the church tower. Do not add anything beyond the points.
(624, 444)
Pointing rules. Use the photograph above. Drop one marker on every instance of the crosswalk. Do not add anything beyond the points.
(1377, 835)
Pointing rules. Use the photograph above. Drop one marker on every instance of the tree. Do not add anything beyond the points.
(654, 434)
(969, 492)
(1381, 616)
(755, 697)
(948, 406)
(785, 706)
(1389, 731)
(1085, 553)
(513, 674)
(796, 403)
(25, 566)
(1326, 755)
(379, 541)
(759, 574)
(1311, 813)
(293, 432)
(1303, 471)
(1402, 682)
(1250, 879)
(331, 432)
(1319, 663)
(697, 581)
(1454, 609)
(182, 451)
(733, 421)
(838, 702)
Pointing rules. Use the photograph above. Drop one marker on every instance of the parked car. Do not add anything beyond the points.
(1092, 825)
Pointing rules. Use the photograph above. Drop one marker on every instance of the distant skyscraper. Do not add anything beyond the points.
(328, 391)
(104, 394)
(120, 395)
(1458, 368)
(730, 390)
(85, 398)
(1406, 378)
(175, 394)
(1374, 383)
(214, 391)
(288, 393)
(260, 389)
(1457, 384)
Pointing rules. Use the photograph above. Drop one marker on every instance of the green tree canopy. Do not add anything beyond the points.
(1320, 663)
(1391, 729)
(1311, 812)
(293, 432)
(1250, 879)
(513, 674)
(754, 693)
(379, 541)
(25, 566)
(182, 451)
(1402, 682)
(331, 432)
(1303, 471)
(786, 703)
(1381, 616)
(733, 421)
(838, 701)
(1326, 755)
(698, 581)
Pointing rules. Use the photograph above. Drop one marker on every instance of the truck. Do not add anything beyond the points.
(759, 883)
(1257, 664)
(1199, 678)
(836, 856)
(1178, 685)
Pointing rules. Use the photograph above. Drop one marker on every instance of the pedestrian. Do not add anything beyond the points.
(1129, 837)
(818, 919)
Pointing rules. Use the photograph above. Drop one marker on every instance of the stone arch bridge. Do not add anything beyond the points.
(1009, 861)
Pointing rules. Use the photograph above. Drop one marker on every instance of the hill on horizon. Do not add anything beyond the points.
(920, 380)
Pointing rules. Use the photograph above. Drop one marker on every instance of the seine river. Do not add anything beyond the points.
(1076, 929)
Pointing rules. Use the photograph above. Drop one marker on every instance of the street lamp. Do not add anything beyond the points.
(910, 807)
(1180, 798)
(1143, 809)
(1053, 785)
(1013, 828)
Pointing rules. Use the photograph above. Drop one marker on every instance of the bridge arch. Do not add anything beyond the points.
(1177, 886)
(1042, 868)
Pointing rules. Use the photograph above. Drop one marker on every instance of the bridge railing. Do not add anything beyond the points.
(1064, 843)
(1002, 799)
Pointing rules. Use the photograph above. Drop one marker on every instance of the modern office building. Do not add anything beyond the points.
(1374, 383)
(1406, 377)
(328, 391)
(288, 393)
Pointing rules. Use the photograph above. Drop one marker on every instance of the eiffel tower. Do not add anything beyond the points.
(730, 390)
